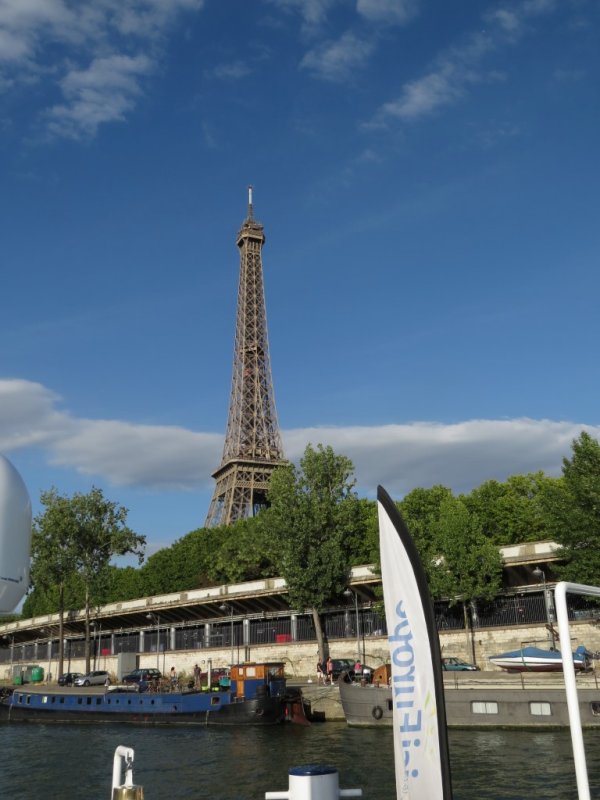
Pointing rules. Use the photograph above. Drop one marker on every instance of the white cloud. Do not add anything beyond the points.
(400, 457)
(313, 12)
(23, 23)
(444, 85)
(535, 7)
(459, 67)
(568, 75)
(507, 20)
(336, 61)
(99, 39)
(102, 93)
(150, 456)
(393, 11)
(424, 95)
(461, 456)
(13, 48)
(231, 71)
(123, 453)
(146, 18)
(28, 415)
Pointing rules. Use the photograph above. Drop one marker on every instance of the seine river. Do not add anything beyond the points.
(57, 762)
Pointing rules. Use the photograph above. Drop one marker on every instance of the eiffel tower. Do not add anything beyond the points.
(252, 443)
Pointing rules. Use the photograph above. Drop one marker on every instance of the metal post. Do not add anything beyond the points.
(348, 592)
(156, 618)
(560, 597)
(539, 573)
(97, 641)
(158, 643)
(229, 607)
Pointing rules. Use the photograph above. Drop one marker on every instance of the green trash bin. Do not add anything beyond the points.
(37, 674)
(18, 680)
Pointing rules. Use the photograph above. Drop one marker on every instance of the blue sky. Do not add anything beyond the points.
(427, 174)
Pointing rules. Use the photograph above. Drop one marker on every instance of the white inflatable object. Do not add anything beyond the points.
(15, 536)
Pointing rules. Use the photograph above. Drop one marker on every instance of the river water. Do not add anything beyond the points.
(56, 762)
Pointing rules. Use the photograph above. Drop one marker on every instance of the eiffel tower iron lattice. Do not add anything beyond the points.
(252, 447)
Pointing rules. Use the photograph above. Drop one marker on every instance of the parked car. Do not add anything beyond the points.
(216, 675)
(347, 665)
(457, 665)
(68, 679)
(98, 677)
(142, 675)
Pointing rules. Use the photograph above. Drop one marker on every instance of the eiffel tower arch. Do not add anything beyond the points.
(253, 448)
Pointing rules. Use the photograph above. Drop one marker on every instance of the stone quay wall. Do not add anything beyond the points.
(300, 658)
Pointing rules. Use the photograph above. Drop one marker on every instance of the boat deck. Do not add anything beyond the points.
(515, 680)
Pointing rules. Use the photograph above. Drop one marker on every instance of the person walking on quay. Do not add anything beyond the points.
(197, 677)
(173, 677)
(320, 673)
(330, 670)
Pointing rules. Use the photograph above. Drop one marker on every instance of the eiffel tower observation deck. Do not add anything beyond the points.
(253, 446)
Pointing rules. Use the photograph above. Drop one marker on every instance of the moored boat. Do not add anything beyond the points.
(478, 703)
(535, 659)
(257, 695)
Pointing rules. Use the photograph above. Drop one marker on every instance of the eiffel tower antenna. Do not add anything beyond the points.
(252, 447)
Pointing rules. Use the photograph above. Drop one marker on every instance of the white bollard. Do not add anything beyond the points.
(125, 790)
(313, 782)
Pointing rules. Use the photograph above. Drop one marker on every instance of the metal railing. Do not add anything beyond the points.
(502, 612)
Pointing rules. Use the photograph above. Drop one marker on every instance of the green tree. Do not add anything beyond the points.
(512, 512)
(122, 583)
(53, 560)
(463, 564)
(363, 542)
(573, 506)
(420, 509)
(313, 512)
(244, 553)
(162, 572)
(101, 535)
(79, 536)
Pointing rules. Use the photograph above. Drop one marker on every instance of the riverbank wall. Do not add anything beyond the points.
(300, 658)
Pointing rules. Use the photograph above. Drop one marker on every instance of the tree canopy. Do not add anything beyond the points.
(73, 542)
(314, 512)
(462, 562)
(573, 511)
(513, 511)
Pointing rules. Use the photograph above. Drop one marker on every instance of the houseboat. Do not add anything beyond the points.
(257, 695)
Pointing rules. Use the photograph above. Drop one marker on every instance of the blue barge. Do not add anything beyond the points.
(257, 695)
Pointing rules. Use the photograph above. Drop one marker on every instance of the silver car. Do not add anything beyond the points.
(99, 677)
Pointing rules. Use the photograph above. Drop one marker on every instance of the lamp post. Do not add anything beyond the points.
(348, 592)
(156, 619)
(11, 643)
(229, 607)
(93, 626)
(539, 573)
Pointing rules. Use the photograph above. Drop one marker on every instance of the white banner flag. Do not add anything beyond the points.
(420, 736)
